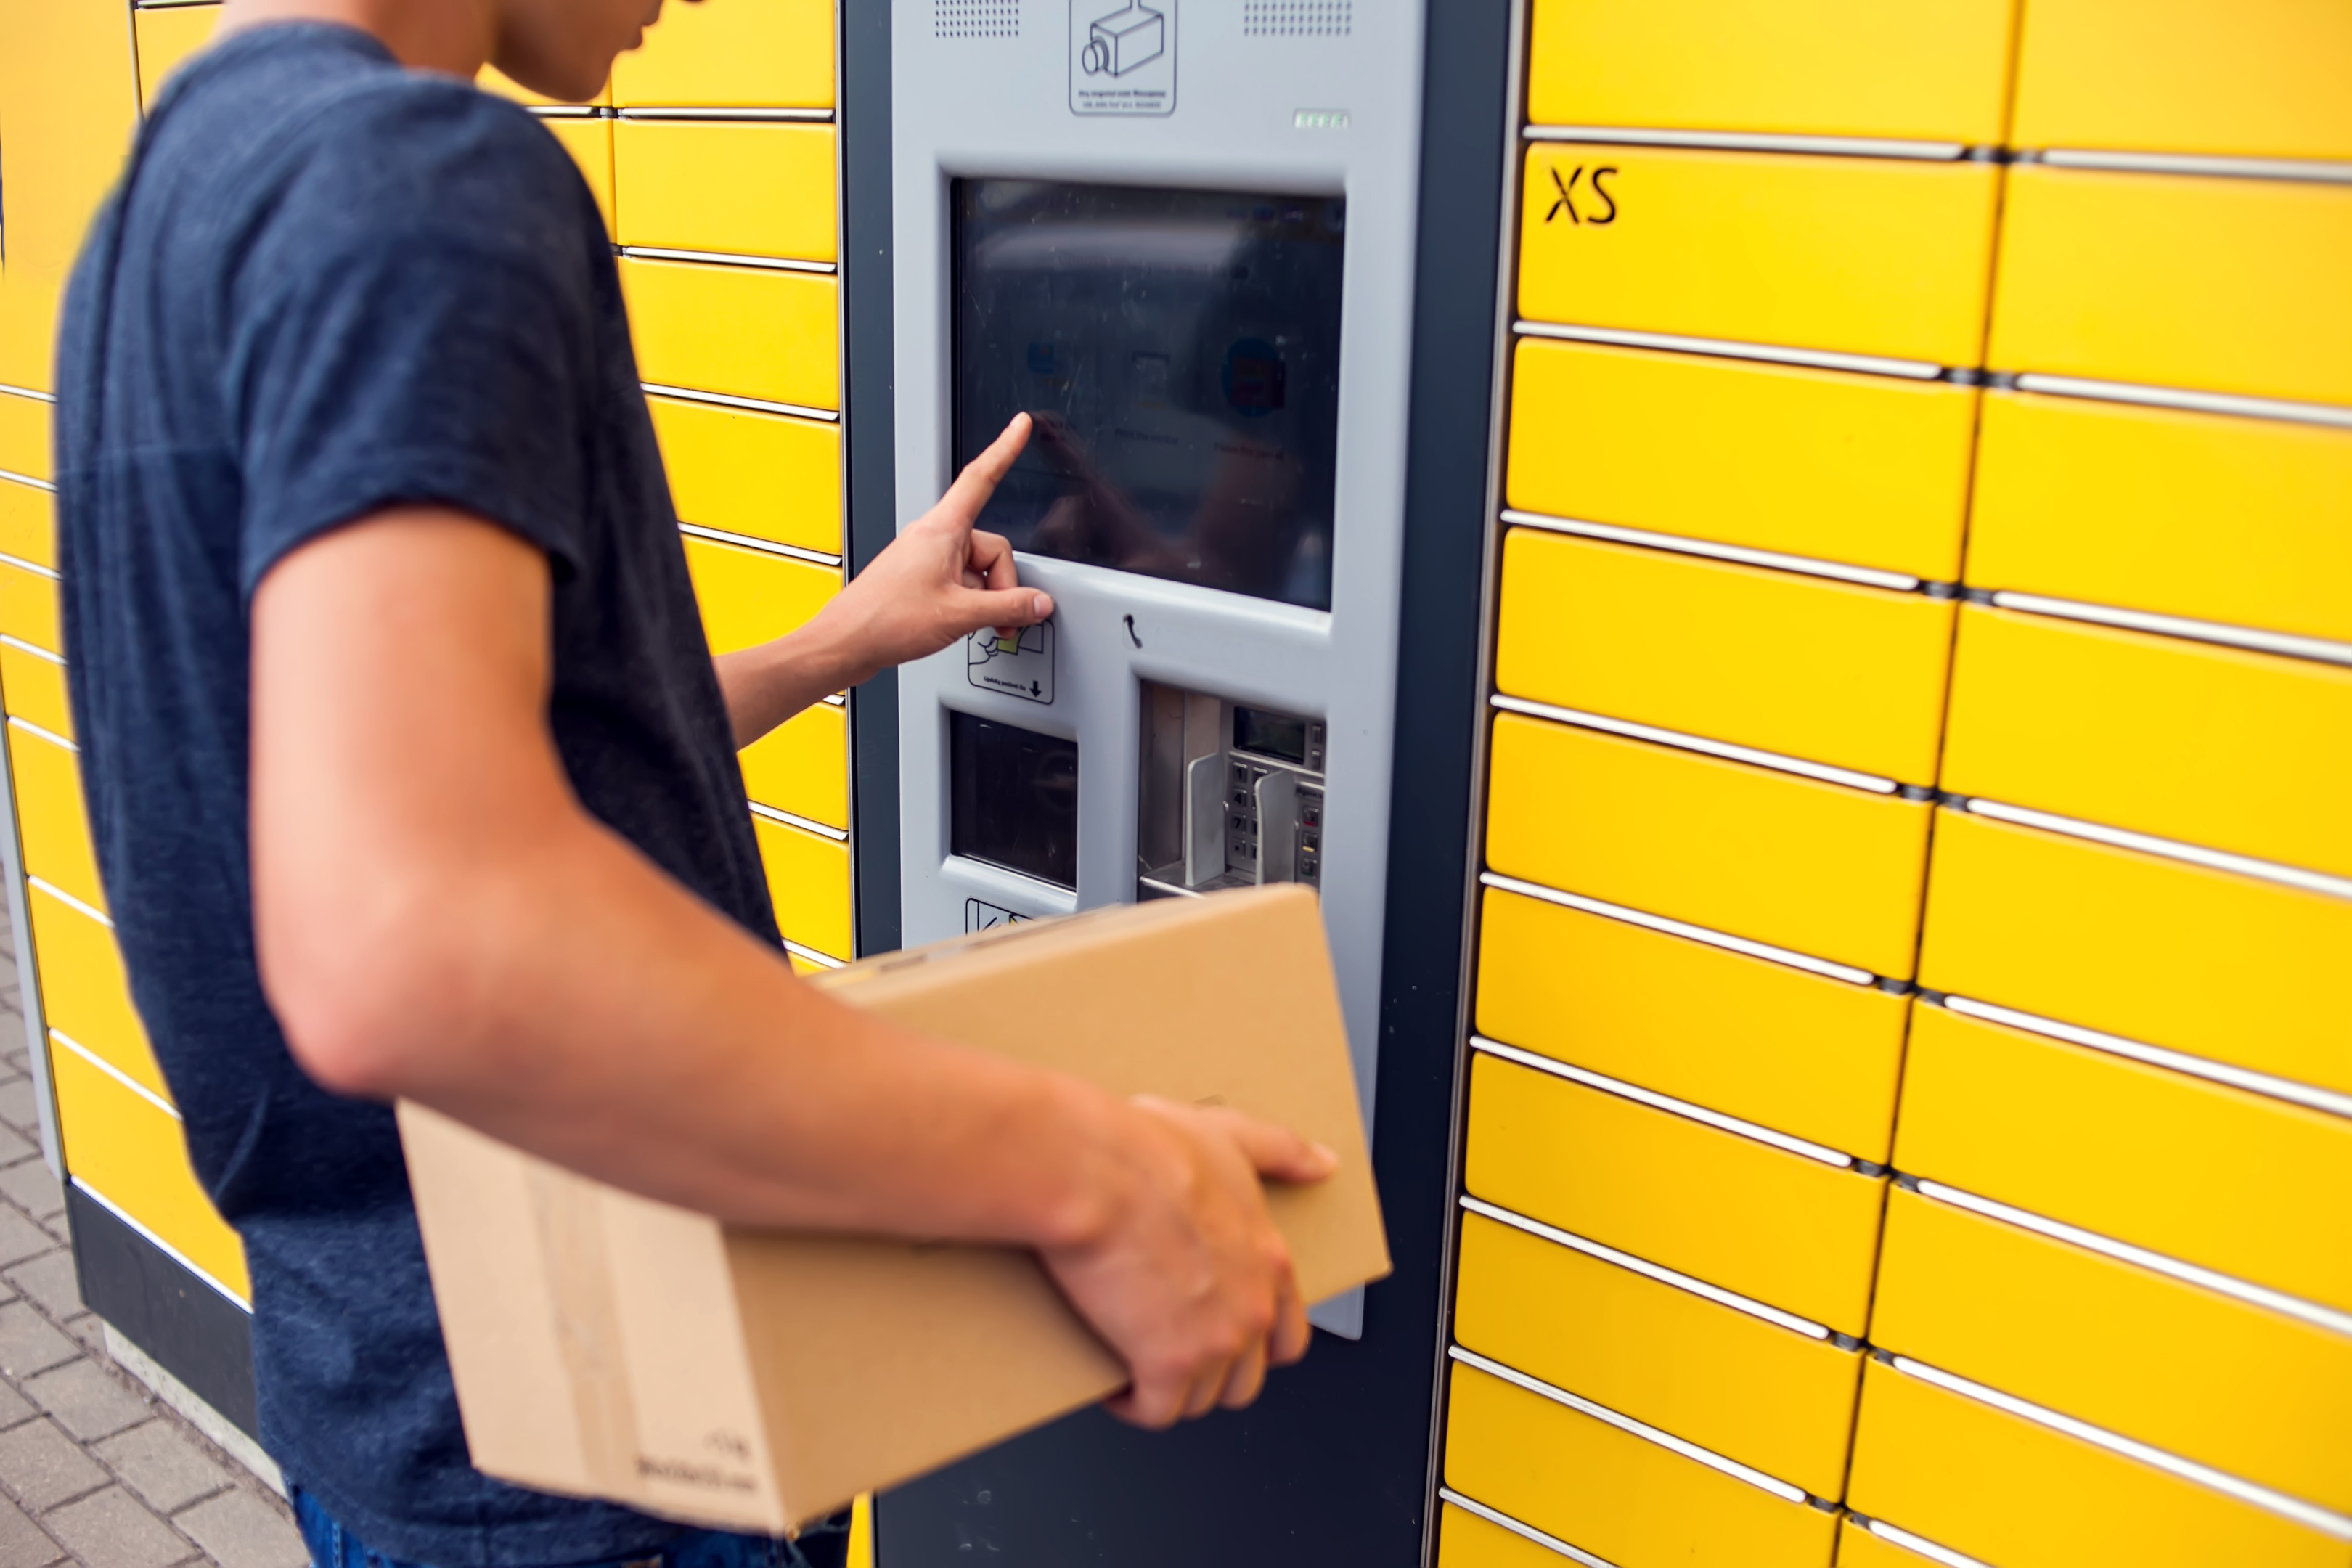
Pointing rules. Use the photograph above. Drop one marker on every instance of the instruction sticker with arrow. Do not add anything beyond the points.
(1019, 666)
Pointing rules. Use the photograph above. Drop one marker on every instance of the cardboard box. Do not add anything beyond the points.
(607, 1345)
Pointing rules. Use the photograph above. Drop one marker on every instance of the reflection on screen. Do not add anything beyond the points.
(1180, 352)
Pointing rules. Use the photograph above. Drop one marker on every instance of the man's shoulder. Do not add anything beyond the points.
(337, 145)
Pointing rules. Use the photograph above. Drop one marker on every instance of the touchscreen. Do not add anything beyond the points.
(1179, 353)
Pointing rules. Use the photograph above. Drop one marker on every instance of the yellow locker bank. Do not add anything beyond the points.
(1785, 570)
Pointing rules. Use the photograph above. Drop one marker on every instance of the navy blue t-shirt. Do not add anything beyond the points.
(329, 285)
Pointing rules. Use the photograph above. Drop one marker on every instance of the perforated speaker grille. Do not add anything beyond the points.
(1296, 18)
(976, 19)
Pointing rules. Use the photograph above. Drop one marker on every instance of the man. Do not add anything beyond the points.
(411, 775)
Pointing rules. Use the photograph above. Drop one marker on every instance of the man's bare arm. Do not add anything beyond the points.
(438, 917)
(939, 580)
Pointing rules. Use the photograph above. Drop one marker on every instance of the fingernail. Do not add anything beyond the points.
(1044, 605)
(1326, 1155)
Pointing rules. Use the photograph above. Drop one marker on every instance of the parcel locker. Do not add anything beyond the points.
(1468, 1540)
(1809, 67)
(125, 1146)
(1622, 1495)
(750, 596)
(742, 332)
(589, 140)
(2187, 741)
(2214, 285)
(1862, 256)
(1821, 869)
(51, 821)
(764, 476)
(2206, 516)
(808, 878)
(1829, 671)
(1802, 1053)
(165, 36)
(28, 606)
(35, 688)
(2230, 968)
(2236, 78)
(1869, 470)
(84, 992)
(28, 527)
(802, 766)
(24, 434)
(771, 54)
(1751, 1389)
(2002, 1489)
(2239, 1183)
(742, 187)
(1790, 1231)
(2245, 1388)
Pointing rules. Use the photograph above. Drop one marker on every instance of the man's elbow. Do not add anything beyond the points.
(359, 1008)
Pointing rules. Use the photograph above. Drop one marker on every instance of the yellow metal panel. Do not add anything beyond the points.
(49, 815)
(2203, 961)
(493, 80)
(68, 106)
(1857, 1548)
(1861, 469)
(1833, 672)
(166, 36)
(29, 607)
(1812, 67)
(2237, 520)
(808, 879)
(749, 596)
(1788, 1231)
(757, 474)
(861, 1531)
(23, 433)
(590, 142)
(2250, 79)
(132, 1152)
(1869, 255)
(1467, 1541)
(775, 53)
(2003, 1489)
(2222, 285)
(742, 330)
(1758, 1040)
(1749, 1390)
(2249, 1186)
(28, 527)
(2250, 1392)
(2187, 740)
(803, 765)
(1823, 870)
(35, 690)
(746, 188)
(1609, 1493)
(84, 992)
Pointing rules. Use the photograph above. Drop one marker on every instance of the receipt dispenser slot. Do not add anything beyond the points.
(1231, 796)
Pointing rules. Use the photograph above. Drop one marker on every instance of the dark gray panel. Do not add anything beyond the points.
(195, 1332)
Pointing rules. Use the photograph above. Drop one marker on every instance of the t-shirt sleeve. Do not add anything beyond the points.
(417, 326)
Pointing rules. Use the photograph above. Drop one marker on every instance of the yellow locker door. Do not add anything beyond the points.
(1865, 256)
(1811, 67)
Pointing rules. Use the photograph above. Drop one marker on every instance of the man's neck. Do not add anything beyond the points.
(454, 37)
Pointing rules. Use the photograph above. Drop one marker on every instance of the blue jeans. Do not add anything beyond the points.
(823, 1545)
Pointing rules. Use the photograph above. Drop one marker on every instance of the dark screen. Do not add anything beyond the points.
(1014, 798)
(1270, 735)
(1180, 352)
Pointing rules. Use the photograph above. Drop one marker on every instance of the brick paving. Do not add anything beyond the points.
(95, 1471)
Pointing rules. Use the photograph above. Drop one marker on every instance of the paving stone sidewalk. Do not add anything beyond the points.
(94, 1470)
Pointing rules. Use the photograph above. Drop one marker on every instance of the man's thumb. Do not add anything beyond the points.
(1009, 609)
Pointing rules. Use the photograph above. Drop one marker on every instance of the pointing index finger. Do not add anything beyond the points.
(982, 474)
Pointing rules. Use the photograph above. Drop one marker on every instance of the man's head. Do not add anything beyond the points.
(564, 48)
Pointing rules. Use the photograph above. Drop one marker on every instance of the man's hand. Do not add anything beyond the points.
(1185, 1274)
(940, 581)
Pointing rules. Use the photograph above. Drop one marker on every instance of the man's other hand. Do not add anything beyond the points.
(1184, 1273)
